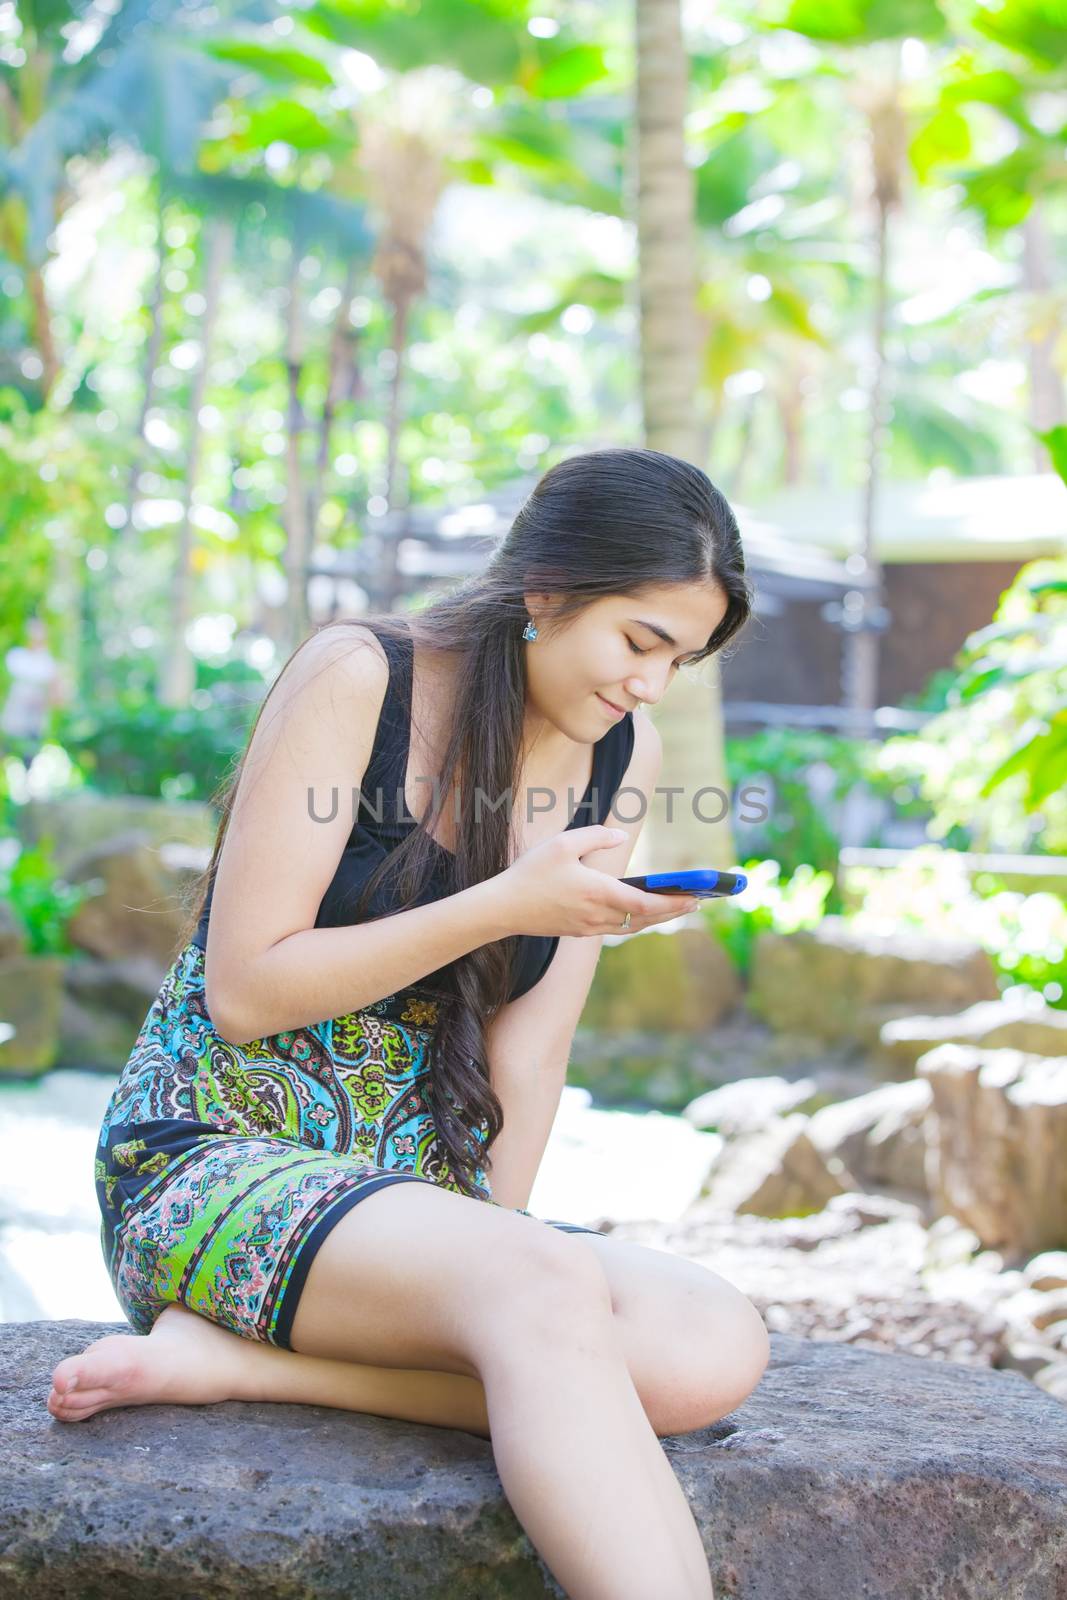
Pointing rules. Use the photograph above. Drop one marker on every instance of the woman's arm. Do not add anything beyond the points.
(267, 967)
(326, 972)
(529, 1040)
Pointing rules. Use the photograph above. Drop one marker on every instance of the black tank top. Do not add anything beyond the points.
(382, 790)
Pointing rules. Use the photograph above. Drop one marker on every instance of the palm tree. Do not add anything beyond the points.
(690, 719)
(408, 132)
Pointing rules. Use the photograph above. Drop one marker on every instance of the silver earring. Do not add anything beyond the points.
(530, 630)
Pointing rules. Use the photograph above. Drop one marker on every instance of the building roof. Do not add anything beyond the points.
(1008, 518)
(447, 543)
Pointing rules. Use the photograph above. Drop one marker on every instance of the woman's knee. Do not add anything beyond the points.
(550, 1283)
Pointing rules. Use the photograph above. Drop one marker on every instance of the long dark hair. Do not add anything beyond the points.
(607, 522)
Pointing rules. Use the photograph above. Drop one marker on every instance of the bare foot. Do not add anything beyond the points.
(185, 1360)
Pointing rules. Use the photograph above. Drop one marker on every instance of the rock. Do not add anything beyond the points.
(31, 990)
(878, 1136)
(854, 1272)
(833, 983)
(80, 822)
(1047, 1270)
(140, 903)
(658, 980)
(12, 935)
(1025, 1356)
(1017, 1022)
(775, 1172)
(92, 1041)
(1053, 1380)
(126, 986)
(996, 1133)
(1053, 1312)
(748, 1105)
(949, 1479)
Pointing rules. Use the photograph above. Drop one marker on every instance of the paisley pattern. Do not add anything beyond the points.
(220, 1168)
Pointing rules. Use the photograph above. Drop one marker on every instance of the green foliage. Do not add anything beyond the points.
(42, 902)
(770, 902)
(994, 762)
(932, 892)
(800, 830)
(43, 508)
(861, 21)
(133, 745)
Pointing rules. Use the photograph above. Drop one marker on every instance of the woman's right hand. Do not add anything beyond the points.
(548, 890)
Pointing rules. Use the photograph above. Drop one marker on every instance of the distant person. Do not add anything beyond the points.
(36, 686)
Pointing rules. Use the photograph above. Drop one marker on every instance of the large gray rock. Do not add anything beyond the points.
(836, 984)
(880, 1137)
(13, 941)
(140, 900)
(1020, 1022)
(79, 822)
(775, 1171)
(676, 979)
(996, 1136)
(847, 1472)
(31, 993)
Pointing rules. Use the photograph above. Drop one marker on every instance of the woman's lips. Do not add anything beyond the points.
(616, 711)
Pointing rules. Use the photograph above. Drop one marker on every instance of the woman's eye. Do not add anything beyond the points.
(638, 652)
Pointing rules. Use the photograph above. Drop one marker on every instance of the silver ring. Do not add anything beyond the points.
(626, 921)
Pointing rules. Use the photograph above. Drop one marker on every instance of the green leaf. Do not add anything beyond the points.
(1055, 442)
(1043, 757)
(863, 21)
(279, 63)
(944, 139)
(288, 122)
(1035, 28)
(987, 679)
(568, 74)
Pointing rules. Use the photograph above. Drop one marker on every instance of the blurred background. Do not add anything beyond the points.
(299, 301)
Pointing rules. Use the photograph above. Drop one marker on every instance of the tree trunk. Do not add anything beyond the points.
(392, 531)
(148, 385)
(689, 717)
(339, 363)
(44, 338)
(861, 645)
(1046, 399)
(178, 673)
(298, 622)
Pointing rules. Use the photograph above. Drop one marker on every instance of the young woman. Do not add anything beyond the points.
(449, 941)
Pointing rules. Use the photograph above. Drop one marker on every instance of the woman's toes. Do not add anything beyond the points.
(65, 1377)
(105, 1374)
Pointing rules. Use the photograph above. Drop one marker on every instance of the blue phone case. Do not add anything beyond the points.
(704, 882)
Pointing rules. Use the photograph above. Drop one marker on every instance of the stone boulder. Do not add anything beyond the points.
(775, 1172)
(12, 935)
(747, 1105)
(31, 994)
(835, 984)
(879, 1137)
(659, 980)
(996, 1136)
(846, 1472)
(139, 903)
(1018, 1022)
(104, 1005)
(79, 822)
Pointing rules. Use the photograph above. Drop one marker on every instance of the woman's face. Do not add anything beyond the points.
(612, 652)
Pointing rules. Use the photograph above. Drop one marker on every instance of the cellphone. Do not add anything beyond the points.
(703, 882)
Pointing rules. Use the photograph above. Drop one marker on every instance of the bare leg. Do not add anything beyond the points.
(428, 1282)
(583, 1469)
(187, 1360)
